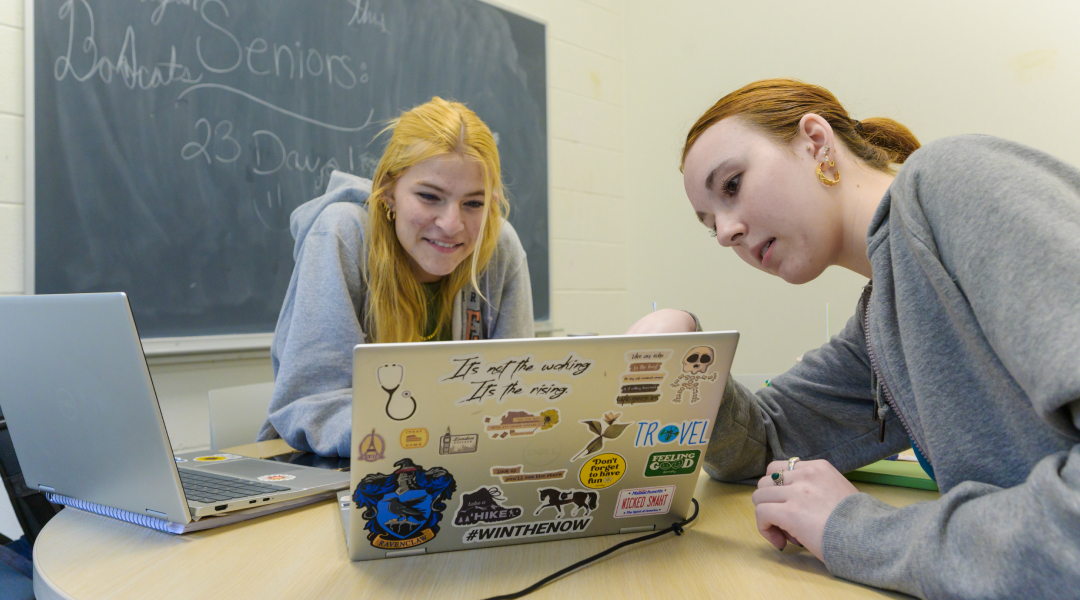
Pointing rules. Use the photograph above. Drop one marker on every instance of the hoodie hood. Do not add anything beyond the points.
(343, 187)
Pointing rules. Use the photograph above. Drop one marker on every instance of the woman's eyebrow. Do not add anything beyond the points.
(442, 191)
(432, 186)
(712, 174)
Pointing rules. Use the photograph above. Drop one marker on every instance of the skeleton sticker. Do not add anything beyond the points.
(640, 384)
(695, 365)
(390, 377)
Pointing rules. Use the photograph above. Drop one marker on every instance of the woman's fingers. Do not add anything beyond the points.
(770, 493)
(769, 499)
(770, 481)
(774, 535)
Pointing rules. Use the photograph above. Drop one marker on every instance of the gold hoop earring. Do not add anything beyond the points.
(389, 214)
(824, 178)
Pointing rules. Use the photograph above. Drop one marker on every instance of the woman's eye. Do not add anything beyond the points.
(428, 197)
(474, 204)
(732, 185)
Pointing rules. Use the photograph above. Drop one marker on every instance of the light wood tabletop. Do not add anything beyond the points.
(301, 553)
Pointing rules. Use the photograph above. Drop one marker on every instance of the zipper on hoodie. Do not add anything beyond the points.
(881, 391)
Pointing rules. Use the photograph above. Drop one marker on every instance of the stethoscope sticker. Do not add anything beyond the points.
(390, 377)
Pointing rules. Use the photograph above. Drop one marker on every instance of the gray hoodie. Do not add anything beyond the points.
(323, 313)
(968, 345)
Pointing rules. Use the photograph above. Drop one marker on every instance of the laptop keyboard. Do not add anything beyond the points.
(208, 487)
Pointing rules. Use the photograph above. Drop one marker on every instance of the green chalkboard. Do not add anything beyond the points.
(173, 138)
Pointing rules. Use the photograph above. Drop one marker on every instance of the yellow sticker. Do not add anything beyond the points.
(602, 471)
(216, 457)
(412, 439)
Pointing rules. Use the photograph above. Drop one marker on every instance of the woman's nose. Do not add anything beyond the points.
(449, 219)
(729, 232)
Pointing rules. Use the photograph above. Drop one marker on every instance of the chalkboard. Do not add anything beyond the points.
(173, 138)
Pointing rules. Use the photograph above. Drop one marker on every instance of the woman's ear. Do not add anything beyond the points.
(814, 134)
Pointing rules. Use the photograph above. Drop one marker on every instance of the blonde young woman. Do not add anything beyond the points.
(965, 346)
(420, 253)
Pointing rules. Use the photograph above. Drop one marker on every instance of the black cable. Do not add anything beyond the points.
(677, 528)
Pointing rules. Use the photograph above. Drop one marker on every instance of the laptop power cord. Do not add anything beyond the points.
(676, 528)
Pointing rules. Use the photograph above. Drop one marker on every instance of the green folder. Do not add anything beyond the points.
(894, 472)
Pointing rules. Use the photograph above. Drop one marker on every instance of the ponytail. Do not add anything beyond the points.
(775, 107)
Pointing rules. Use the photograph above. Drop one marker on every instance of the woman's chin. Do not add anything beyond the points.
(799, 276)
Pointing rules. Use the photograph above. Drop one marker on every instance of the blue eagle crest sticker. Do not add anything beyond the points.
(403, 509)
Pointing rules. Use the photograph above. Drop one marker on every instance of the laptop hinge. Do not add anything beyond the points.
(154, 513)
(412, 552)
(638, 529)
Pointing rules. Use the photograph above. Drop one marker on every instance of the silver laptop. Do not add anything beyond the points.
(460, 445)
(87, 428)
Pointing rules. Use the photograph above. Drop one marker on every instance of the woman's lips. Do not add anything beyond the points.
(767, 257)
(440, 247)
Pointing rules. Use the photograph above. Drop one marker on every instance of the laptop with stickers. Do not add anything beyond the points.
(460, 445)
(87, 427)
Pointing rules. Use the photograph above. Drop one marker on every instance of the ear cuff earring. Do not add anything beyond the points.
(390, 212)
(824, 178)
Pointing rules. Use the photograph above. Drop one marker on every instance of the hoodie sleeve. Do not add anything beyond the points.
(1004, 220)
(822, 408)
(319, 325)
(510, 290)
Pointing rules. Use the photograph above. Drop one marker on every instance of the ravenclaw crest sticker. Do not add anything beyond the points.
(403, 509)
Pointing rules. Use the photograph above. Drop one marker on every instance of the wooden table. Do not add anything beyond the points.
(301, 554)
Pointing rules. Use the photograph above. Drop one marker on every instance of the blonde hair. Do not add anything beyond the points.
(775, 107)
(396, 305)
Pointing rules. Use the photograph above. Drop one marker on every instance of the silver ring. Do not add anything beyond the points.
(778, 477)
(791, 463)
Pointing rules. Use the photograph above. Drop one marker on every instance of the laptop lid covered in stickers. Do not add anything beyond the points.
(460, 445)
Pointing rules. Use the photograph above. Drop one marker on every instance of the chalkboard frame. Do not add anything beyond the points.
(225, 343)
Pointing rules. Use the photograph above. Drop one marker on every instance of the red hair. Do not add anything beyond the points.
(775, 107)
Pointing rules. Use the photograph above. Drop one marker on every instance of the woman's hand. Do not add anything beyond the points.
(665, 320)
(797, 510)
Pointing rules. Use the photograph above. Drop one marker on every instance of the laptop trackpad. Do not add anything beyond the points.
(251, 469)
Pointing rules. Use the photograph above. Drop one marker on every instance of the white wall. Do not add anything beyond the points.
(11, 146)
(941, 68)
